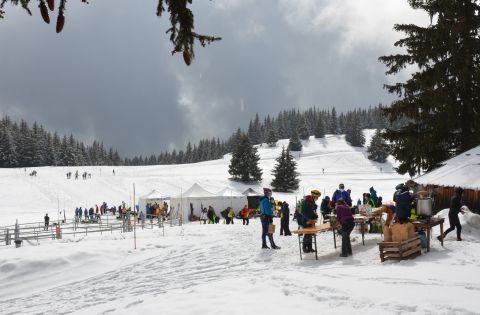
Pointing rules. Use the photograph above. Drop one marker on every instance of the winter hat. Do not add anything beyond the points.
(399, 186)
(315, 192)
(267, 191)
(341, 186)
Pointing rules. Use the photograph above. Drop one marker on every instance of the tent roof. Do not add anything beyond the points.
(154, 194)
(197, 191)
(251, 192)
(228, 192)
(462, 170)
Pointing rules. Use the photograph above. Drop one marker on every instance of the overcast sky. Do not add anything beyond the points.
(110, 75)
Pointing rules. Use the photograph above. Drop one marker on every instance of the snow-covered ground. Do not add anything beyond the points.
(220, 269)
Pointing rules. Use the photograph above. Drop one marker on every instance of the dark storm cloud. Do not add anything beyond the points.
(110, 75)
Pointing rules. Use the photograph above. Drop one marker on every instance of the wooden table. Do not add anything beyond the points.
(427, 226)
(313, 232)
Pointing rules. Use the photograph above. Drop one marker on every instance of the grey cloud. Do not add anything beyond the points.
(110, 75)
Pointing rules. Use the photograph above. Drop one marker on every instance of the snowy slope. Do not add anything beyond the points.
(28, 198)
(220, 269)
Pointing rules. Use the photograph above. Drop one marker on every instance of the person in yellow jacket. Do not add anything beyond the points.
(230, 215)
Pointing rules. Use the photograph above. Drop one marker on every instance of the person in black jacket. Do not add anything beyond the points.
(308, 216)
(47, 222)
(455, 208)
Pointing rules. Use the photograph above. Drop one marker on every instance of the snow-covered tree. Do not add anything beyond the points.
(378, 149)
(285, 176)
(244, 162)
(295, 144)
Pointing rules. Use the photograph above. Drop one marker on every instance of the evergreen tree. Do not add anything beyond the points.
(285, 176)
(354, 134)
(319, 130)
(333, 122)
(295, 144)
(378, 149)
(272, 138)
(244, 162)
(8, 154)
(303, 132)
(441, 100)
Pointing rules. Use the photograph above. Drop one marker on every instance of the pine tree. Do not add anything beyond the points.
(8, 154)
(244, 162)
(319, 130)
(441, 101)
(295, 144)
(272, 138)
(354, 134)
(303, 133)
(333, 122)
(378, 149)
(285, 176)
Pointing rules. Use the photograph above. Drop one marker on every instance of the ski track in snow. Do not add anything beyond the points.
(200, 256)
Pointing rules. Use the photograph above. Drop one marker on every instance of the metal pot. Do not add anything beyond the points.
(424, 206)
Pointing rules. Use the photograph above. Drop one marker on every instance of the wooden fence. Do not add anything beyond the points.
(36, 231)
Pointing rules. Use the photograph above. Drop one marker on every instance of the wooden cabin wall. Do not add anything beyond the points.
(442, 196)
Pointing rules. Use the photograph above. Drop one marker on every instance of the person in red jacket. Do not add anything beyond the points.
(245, 212)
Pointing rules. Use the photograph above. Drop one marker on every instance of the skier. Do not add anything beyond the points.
(266, 217)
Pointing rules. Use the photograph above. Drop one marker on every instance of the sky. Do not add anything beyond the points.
(110, 75)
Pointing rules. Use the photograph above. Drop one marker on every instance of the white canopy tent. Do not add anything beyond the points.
(232, 198)
(151, 197)
(197, 197)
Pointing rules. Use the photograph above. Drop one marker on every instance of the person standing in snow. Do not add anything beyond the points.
(455, 209)
(309, 216)
(284, 219)
(341, 193)
(403, 202)
(345, 218)
(230, 215)
(266, 218)
(47, 222)
(211, 215)
(245, 212)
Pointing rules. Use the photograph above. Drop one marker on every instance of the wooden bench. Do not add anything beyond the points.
(400, 250)
(313, 232)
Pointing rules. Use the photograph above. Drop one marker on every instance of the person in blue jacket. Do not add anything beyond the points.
(266, 217)
(341, 193)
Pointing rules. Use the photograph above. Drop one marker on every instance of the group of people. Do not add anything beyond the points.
(85, 175)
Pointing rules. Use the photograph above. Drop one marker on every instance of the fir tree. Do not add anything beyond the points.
(333, 122)
(378, 149)
(272, 138)
(319, 130)
(295, 144)
(441, 101)
(285, 176)
(354, 134)
(244, 162)
(303, 133)
(8, 154)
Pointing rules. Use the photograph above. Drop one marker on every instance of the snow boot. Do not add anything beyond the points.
(264, 246)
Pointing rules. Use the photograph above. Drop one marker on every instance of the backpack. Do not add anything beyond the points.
(300, 217)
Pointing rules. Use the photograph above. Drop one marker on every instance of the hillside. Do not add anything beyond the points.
(28, 198)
